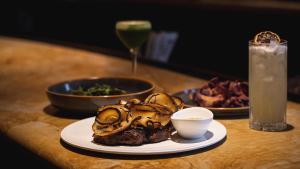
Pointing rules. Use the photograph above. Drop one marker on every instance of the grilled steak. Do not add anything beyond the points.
(128, 137)
(135, 137)
(158, 135)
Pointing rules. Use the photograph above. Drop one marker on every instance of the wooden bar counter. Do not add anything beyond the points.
(28, 67)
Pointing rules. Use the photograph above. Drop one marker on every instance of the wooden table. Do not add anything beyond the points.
(28, 67)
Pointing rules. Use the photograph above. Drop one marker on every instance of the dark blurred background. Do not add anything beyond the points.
(213, 35)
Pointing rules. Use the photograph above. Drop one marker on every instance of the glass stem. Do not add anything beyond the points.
(134, 54)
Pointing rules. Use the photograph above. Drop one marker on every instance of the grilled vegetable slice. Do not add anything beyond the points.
(109, 115)
(178, 101)
(162, 99)
(105, 130)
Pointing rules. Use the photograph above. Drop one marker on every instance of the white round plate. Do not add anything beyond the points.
(79, 134)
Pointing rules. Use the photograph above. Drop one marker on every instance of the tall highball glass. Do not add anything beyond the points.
(268, 85)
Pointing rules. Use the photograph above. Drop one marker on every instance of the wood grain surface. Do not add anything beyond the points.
(28, 67)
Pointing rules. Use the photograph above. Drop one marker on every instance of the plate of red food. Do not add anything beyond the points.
(223, 97)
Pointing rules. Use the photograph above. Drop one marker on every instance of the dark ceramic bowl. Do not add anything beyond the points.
(61, 97)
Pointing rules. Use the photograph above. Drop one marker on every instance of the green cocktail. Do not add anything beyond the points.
(133, 34)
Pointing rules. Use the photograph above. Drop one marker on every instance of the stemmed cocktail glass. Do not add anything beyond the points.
(133, 34)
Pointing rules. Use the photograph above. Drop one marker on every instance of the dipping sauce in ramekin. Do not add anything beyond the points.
(192, 123)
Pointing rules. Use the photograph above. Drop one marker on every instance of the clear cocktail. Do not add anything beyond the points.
(268, 85)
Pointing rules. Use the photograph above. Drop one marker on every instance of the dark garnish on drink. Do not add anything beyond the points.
(266, 37)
